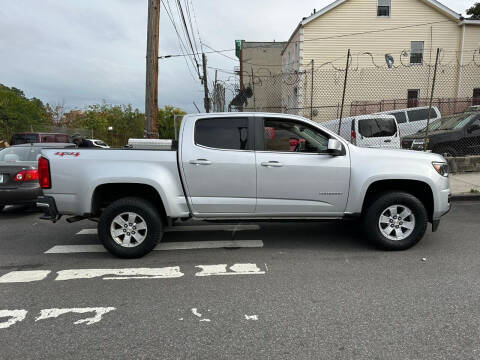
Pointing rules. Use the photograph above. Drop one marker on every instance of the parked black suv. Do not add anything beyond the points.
(455, 135)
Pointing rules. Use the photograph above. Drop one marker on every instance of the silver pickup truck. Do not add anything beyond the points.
(239, 166)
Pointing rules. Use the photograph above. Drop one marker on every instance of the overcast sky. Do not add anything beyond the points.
(80, 52)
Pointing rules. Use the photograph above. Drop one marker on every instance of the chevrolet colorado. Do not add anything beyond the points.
(237, 166)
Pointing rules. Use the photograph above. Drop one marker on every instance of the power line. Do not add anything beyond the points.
(185, 48)
(180, 41)
(189, 16)
(196, 23)
(199, 53)
(185, 28)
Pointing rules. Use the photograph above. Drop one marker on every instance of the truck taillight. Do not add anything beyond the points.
(44, 173)
(354, 137)
(26, 175)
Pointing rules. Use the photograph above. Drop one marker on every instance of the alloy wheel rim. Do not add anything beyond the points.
(128, 229)
(396, 222)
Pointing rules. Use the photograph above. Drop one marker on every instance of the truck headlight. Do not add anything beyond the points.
(442, 168)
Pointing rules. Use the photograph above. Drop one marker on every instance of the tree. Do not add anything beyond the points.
(166, 120)
(20, 114)
(474, 12)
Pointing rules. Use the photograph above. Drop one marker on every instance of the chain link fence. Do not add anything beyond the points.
(383, 106)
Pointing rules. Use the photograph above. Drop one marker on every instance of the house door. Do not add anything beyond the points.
(412, 98)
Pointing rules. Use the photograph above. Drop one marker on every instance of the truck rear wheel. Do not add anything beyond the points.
(395, 221)
(130, 227)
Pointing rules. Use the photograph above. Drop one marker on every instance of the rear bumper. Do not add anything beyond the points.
(49, 208)
(19, 195)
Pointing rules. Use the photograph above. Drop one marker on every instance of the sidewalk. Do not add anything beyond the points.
(463, 183)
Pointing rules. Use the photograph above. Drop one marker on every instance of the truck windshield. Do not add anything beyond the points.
(455, 122)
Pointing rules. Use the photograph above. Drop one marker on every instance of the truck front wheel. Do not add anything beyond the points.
(130, 227)
(395, 221)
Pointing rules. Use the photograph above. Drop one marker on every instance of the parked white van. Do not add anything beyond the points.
(412, 120)
(380, 130)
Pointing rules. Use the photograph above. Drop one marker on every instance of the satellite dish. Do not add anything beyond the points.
(389, 60)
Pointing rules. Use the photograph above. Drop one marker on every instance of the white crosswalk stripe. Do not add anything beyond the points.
(184, 245)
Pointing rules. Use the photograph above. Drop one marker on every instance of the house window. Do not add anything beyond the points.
(412, 98)
(476, 96)
(383, 8)
(416, 52)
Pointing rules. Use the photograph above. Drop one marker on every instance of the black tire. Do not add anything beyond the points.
(448, 150)
(376, 208)
(141, 207)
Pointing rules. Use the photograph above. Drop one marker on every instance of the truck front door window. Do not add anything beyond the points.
(222, 133)
(290, 136)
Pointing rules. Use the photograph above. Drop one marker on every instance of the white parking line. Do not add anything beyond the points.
(186, 245)
(229, 227)
(24, 276)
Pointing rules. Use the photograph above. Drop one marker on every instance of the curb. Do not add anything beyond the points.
(465, 197)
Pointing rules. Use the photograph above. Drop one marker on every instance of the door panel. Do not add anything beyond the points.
(220, 181)
(292, 179)
(308, 184)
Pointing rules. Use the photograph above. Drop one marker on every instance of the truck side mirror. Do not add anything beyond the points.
(335, 147)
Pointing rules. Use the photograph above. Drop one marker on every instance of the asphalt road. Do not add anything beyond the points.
(313, 291)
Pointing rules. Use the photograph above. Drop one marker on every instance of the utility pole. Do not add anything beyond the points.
(151, 83)
(206, 100)
(215, 94)
(344, 89)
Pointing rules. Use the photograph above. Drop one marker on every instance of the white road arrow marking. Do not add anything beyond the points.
(14, 317)
(251, 317)
(120, 274)
(54, 313)
(236, 269)
(197, 314)
(24, 276)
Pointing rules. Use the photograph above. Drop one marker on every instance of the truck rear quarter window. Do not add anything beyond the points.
(222, 133)
(377, 127)
(400, 116)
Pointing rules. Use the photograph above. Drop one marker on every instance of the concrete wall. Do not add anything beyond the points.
(261, 64)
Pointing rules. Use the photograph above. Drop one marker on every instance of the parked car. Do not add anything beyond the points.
(19, 175)
(28, 138)
(368, 130)
(455, 135)
(411, 120)
(233, 166)
(98, 143)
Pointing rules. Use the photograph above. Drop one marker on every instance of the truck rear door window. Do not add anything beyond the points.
(400, 116)
(421, 114)
(222, 133)
(377, 127)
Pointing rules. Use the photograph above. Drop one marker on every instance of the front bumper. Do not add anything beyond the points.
(49, 208)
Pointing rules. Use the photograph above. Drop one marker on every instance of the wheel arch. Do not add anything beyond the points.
(106, 193)
(417, 188)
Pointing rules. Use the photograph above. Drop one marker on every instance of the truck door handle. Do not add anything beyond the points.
(388, 140)
(200, 162)
(271, 164)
